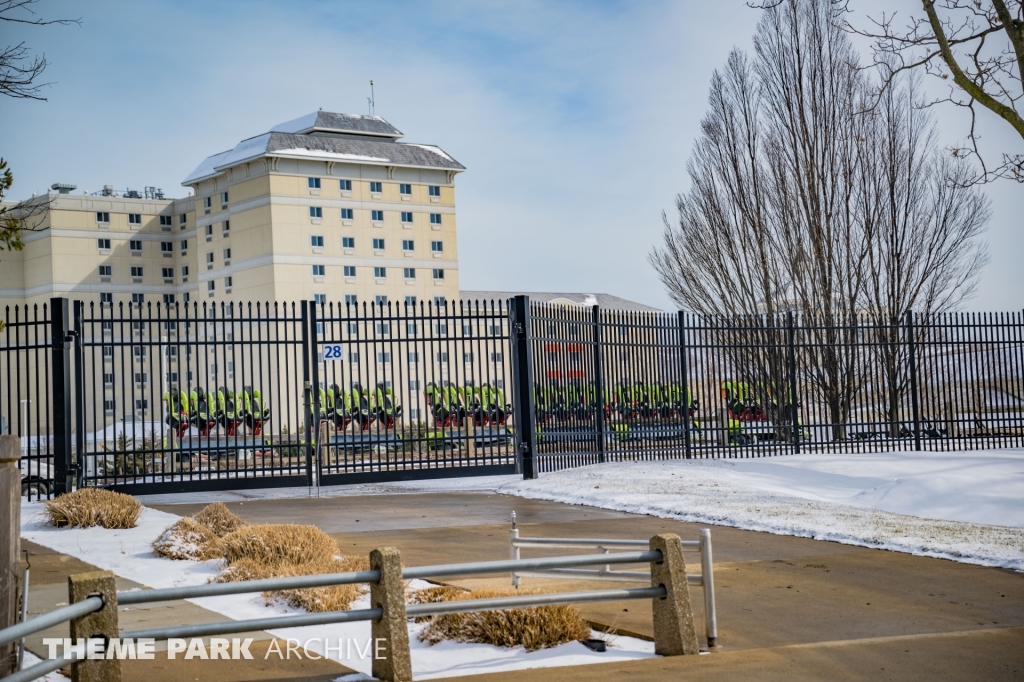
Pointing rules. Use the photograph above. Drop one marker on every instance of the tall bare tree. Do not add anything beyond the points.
(783, 212)
(977, 47)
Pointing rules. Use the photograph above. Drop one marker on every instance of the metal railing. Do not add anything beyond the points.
(93, 604)
(705, 579)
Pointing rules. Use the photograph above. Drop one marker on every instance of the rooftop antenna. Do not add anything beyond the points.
(370, 99)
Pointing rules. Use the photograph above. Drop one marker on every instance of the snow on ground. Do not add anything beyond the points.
(965, 506)
(127, 553)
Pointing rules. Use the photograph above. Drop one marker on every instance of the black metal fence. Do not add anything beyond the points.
(206, 397)
(613, 385)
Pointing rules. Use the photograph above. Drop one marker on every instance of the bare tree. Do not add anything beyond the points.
(979, 45)
(783, 213)
(925, 223)
(19, 69)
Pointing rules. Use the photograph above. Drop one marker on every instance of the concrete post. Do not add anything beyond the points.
(391, 661)
(471, 435)
(10, 544)
(950, 420)
(674, 632)
(100, 625)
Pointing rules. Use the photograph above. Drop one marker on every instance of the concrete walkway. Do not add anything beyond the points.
(789, 608)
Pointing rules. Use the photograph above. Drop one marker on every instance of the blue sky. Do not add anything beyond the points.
(574, 119)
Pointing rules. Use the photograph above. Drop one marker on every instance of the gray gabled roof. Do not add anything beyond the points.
(366, 139)
(329, 121)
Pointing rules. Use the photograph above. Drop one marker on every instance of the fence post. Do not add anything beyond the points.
(307, 393)
(674, 632)
(390, 634)
(10, 544)
(101, 625)
(684, 379)
(522, 372)
(791, 367)
(79, 314)
(314, 450)
(598, 386)
(60, 345)
(913, 379)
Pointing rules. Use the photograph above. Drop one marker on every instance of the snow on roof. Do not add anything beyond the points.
(206, 168)
(296, 124)
(341, 156)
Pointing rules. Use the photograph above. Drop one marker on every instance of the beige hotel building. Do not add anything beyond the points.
(328, 206)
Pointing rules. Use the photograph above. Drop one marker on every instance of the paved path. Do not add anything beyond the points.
(789, 608)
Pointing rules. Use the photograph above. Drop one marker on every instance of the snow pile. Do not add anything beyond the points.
(961, 506)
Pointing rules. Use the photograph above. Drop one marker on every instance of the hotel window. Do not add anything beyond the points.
(209, 260)
(227, 256)
(435, 218)
(380, 273)
(345, 185)
(383, 328)
(410, 273)
(207, 203)
(228, 282)
(108, 377)
(378, 244)
(103, 244)
(348, 242)
(135, 245)
(106, 299)
(184, 245)
(377, 216)
(404, 189)
(136, 271)
(168, 299)
(351, 299)
(209, 232)
(437, 246)
(166, 247)
(165, 221)
(223, 198)
(442, 356)
(168, 273)
(384, 358)
(316, 241)
(408, 245)
(441, 328)
(376, 187)
(211, 286)
(102, 217)
(410, 300)
(226, 229)
(134, 218)
(316, 212)
(106, 271)
(109, 405)
(182, 220)
(319, 271)
(440, 301)
(314, 183)
(350, 271)
(434, 190)
(138, 299)
(320, 299)
(406, 216)
(380, 300)
(346, 214)
(438, 273)
(184, 271)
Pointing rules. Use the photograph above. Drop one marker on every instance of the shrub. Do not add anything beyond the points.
(312, 599)
(533, 628)
(89, 507)
(188, 539)
(219, 519)
(276, 544)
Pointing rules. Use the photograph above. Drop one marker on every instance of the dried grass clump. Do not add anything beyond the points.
(533, 628)
(219, 519)
(276, 544)
(312, 599)
(89, 507)
(188, 540)
(434, 595)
